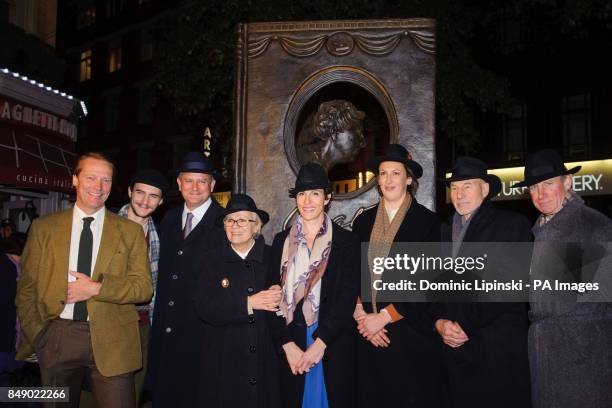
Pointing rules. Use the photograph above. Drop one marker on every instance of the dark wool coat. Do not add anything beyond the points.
(491, 368)
(570, 343)
(408, 373)
(339, 290)
(176, 353)
(240, 365)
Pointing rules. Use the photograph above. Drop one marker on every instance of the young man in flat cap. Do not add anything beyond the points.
(186, 233)
(570, 337)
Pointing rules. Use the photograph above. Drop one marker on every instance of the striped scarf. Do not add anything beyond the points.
(382, 236)
(153, 246)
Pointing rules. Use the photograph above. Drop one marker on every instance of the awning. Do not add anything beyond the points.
(34, 160)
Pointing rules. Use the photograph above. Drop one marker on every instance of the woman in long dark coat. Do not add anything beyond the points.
(240, 367)
(400, 359)
(317, 264)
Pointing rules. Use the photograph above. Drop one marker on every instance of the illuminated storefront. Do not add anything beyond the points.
(38, 132)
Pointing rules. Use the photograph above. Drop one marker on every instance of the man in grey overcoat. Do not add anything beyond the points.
(570, 338)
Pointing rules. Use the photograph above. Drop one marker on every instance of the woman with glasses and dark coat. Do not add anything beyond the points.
(400, 356)
(239, 364)
(316, 263)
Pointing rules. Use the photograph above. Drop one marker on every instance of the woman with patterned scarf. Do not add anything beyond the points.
(316, 263)
(400, 361)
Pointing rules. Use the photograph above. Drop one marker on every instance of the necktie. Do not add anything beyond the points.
(187, 229)
(84, 265)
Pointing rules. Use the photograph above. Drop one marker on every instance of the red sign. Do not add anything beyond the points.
(21, 114)
(34, 179)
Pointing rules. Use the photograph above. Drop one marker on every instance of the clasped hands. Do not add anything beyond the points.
(268, 299)
(300, 361)
(83, 288)
(451, 332)
(372, 326)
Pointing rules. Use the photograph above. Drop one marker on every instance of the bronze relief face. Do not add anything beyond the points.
(336, 136)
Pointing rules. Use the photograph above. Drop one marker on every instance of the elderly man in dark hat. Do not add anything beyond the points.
(186, 233)
(485, 343)
(570, 338)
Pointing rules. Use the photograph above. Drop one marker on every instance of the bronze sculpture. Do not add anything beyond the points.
(336, 135)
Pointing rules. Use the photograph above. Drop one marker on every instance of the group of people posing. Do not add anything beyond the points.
(239, 323)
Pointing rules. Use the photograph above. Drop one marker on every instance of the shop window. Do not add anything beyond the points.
(577, 125)
(85, 66)
(515, 133)
(114, 55)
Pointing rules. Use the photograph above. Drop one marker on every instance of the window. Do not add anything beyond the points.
(515, 133)
(85, 66)
(113, 105)
(577, 124)
(86, 17)
(146, 103)
(114, 7)
(114, 55)
(147, 44)
(511, 31)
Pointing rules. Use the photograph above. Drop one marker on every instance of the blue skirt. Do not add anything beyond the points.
(315, 395)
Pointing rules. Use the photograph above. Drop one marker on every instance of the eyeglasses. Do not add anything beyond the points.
(228, 222)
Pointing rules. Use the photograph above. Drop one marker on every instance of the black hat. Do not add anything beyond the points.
(196, 162)
(543, 165)
(466, 168)
(310, 177)
(396, 153)
(150, 177)
(243, 202)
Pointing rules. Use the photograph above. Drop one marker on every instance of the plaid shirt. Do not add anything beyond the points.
(544, 218)
(153, 256)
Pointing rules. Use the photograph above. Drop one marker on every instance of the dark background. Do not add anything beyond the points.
(512, 76)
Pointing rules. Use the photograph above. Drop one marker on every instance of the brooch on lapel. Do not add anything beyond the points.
(225, 283)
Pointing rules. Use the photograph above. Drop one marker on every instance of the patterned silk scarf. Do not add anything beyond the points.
(382, 236)
(302, 270)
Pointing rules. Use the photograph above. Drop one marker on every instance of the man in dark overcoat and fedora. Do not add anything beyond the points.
(186, 233)
(485, 343)
(570, 337)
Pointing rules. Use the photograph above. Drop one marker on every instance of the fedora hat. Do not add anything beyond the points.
(310, 177)
(196, 162)
(466, 168)
(396, 153)
(151, 177)
(243, 202)
(543, 165)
